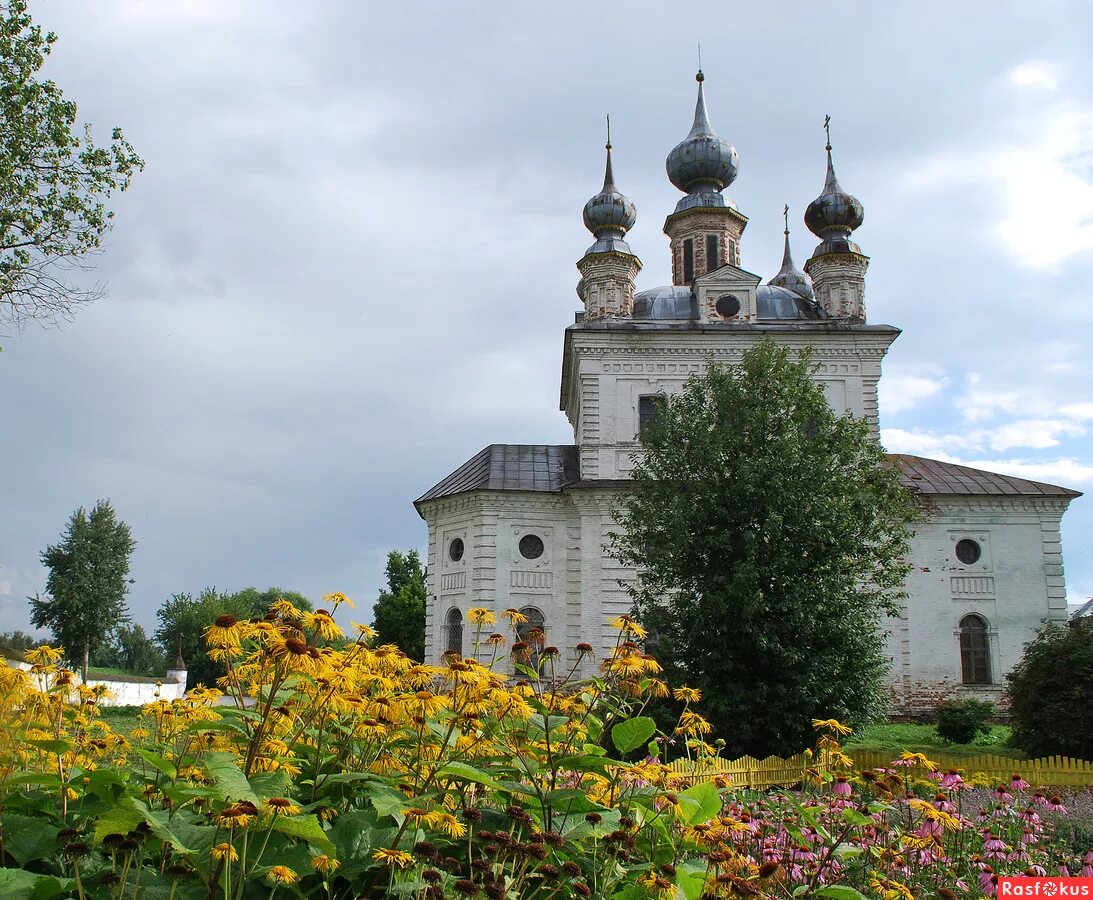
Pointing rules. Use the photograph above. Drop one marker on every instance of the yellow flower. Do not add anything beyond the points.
(515, 616)
(388, 857)
(477, 615)
(918, 759)
(832, 725)
(281, 875)
(225, 632)
(282, 806)
(224, 851)
(367, 630)
(687, 694)
(44, 655)
(324, 864)
(322, 622)
(337, 599)
(627, 625)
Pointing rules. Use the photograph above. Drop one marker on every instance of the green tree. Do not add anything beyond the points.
(184, 618)
(87, 584)
(18, 640)
(1050, 693)
(399, 612)
(769, 536)
(54, 180)
(132, 651)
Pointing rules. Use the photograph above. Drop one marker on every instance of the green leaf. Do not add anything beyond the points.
(691, 878)
(229, 778)
(632, 733)
(41, 779)
(839, 892)
(853, 817)
(700, 803)
(306, 828)
(129, 812)
(465, 772)
(355, 835)
(15, 884)
(158, 762)
(28, 838)
(52, 745)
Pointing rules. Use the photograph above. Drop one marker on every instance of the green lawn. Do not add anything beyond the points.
(924, 739)
(122, 719)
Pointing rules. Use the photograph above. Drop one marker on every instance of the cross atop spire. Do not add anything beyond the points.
(608, 175)
(785, 216)
(827, 130)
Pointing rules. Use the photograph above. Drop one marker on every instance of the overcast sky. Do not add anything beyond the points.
(350, 260)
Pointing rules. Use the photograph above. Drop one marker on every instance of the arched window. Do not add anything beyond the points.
(688, 261)
(533, 633)
(975, 661)
(713, 260)
(454, 627)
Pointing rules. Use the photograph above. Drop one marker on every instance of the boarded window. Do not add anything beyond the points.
(974, 651)
(688, 261)
(650, 409)
(454, 628)
(713, 257)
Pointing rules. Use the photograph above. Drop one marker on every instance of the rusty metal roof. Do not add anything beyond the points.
(511, 467)
(932, 476)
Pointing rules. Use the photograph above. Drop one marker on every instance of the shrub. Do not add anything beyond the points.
(959, 721)
(1051, 693)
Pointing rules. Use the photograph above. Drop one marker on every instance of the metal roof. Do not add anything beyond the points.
(1085, 611)
(511, 467)
(932, 476)
(552, 468)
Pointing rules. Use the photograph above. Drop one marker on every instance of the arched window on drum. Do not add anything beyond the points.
(453, 627)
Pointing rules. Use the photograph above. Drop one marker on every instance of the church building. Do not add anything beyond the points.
(525, 526)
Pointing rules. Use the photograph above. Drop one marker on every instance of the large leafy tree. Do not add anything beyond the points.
(87, 584)
(1050, 692)
(132, 651)
(183, 620)
(54, 181)
(769, 536)
(399, 611)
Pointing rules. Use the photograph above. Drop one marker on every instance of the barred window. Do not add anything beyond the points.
(974, 651)
(454, 628)
(712, 256)
(650, 408)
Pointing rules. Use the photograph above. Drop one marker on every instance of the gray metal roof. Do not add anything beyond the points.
(511, 467)
(552, 468)
(932, 476)
(1085, 611)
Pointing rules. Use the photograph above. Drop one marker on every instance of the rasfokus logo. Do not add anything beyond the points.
(1053, 887)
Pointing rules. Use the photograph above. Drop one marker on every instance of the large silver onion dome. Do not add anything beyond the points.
(789, 276)
(835, 213)
(667, 302)
(703, 164)
(610, 214)
(775, 304)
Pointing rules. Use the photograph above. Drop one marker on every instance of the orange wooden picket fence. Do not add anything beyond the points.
(1052, 771)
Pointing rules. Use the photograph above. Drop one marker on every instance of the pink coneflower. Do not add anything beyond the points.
(994, 848)
(1055, 804)
(1039, 799)
(1000, 793)
(842, 787)
(987, 881)
(1027, 838)
(944, 803)
(930, 828)
(952, 779)
(1036, 871)
(1030, 815)
(1017, 783)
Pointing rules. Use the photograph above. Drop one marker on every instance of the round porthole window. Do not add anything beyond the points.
(455, 550)
(968, 551)
(727, 306)
(531, 546)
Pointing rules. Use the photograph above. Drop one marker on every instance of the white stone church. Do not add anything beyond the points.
(526, 526)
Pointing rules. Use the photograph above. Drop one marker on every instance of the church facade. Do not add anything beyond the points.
(526, 526)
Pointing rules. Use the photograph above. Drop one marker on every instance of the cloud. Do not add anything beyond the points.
(899, 392)
(1080, 411)
(1036, 74)
(1037, 434)
(1067, 472)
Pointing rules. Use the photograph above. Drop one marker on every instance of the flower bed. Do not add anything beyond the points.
(358, 772)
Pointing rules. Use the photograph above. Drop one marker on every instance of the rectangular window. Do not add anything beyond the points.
(650, 408)
(713, 260)
(688, 261)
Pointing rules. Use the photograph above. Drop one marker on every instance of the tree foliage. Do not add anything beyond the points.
(132, 651)
(54, 180)
(1050, 693)
(18, 640)
(184, 618)
(769, 537)
(399, 612)
(87, 583)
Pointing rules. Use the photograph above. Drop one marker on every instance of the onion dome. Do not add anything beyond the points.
(834, 214)
(789, 276)
(703, 164)
(610, 214)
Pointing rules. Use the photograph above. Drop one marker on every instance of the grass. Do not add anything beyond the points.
(895, 738)
(122, 719)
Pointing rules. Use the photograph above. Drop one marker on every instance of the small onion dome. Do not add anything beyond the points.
(773, 304)
(835, 213)
(789, 276)
(703, 164)
(667, 302)
(609, 215)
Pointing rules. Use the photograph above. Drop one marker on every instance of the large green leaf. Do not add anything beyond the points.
(691, 878)
(306, 828)
(52, 745)
(700, 803)
(28, 838)
(159, 763)
(839, 892)
(354, 835)
(128, 812)
(229, 778)
(387, 801)
(15, 884)
(632, 733)
(465, 772)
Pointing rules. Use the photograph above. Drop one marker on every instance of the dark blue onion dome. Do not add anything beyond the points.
(702, 165)
(834, 214)
(789, 276)
(609, 215)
